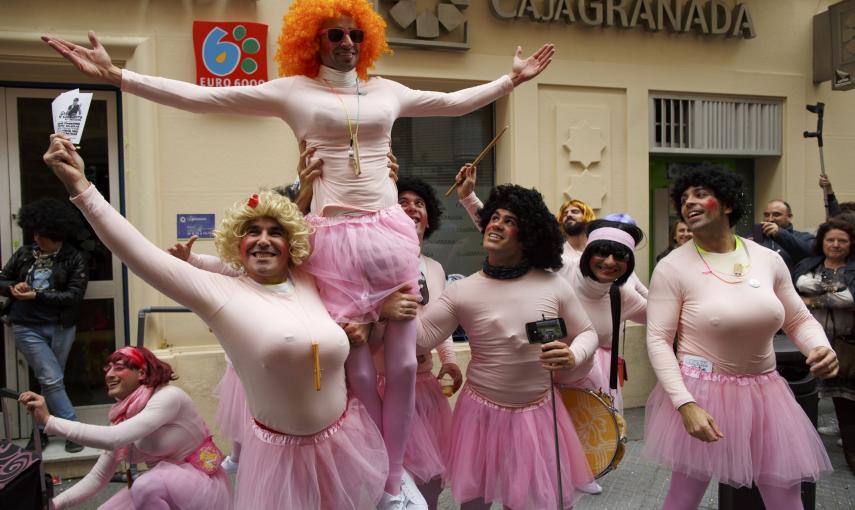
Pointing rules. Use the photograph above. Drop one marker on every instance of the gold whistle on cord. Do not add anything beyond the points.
(316, 358)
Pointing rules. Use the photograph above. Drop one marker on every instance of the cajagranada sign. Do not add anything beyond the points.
(709, 18)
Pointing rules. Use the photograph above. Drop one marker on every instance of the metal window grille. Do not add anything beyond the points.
(716, 126)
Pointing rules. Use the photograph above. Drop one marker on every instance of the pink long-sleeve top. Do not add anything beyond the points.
(730, 325)
(266, 332)
(435, 279)
(313, 109)
(505, 367)
(168, 428)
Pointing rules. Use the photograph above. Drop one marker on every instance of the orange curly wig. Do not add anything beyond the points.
(299, 45)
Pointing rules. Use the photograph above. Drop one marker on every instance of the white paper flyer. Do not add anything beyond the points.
(69, 113)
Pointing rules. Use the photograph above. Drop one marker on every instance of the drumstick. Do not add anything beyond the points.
(480, 156)
(316, 357)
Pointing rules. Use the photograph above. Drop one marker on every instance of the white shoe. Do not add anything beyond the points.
(829, 430)
(590, 488)
(229, 466)
(390, 502)
(412, 495)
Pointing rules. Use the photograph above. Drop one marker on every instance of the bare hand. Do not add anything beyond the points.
(456, 374)
(825, 184)
(556, 356)
(822, 362)
(35, 404)
(95, 63)
(524, 70)
(357, 334)
(66, 163)
(308, 169)
(769, 229)
(699, 424)
(466, 179)
(400, 306)
(393, 166)
(182, 250)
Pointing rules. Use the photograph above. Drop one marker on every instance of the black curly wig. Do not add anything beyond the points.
(539, 233)
(424, 190)
(48, 217)
(605, 248)
(726, 186)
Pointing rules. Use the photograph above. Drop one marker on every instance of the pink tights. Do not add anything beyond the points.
(686, 492)
(394, 414)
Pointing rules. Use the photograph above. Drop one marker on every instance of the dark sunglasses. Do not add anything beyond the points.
(619, 255)
(335, 35)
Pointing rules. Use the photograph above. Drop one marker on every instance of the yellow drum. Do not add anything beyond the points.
(600, 427)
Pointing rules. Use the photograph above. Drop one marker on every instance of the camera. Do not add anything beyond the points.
(546, 330)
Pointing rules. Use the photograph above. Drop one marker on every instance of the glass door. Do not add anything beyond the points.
(27, 123)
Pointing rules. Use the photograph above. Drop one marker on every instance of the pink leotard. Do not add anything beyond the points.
(730, 325)
(315, 113)
(266, 333)
(505, 367)
(168, 428)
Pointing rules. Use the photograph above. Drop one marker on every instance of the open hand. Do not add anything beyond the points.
(95, 62)
(526, 69)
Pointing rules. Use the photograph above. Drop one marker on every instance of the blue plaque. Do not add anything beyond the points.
(189, 225)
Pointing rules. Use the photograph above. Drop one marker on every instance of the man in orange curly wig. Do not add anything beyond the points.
(364, 247)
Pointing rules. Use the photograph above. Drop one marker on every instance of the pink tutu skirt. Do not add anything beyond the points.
(343, 467)
(598, 378)
(508, 454)
(232, 411)
(182, 486)
(430, 430)
(768, 439)
(359, 261)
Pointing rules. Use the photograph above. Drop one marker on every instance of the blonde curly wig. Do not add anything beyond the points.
(269, 204)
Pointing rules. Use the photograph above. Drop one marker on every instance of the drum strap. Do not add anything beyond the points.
(614, 299)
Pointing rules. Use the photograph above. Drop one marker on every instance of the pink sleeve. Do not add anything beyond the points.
(472, 204)
(446, 352)
(584, 341)
(633, 305)
(419, 103)
(162, 408)
(203, 292)
(799, 324)
(663, 316)
(269, 98)
(438, 320)
(211, 264)
(637, 285)
(91, 484)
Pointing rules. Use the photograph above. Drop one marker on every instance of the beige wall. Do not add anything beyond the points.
(177, 162)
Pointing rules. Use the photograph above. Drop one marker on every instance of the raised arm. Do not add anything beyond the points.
(264, 99)
(202, 292)
(163, 408)
(418, 103)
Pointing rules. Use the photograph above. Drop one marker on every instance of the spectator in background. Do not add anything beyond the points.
(776, 233)
(826, 282)
(573, 218)
(45, 282)
(833, 207)
(677, 236)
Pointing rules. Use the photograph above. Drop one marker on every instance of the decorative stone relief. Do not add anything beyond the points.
(588, 188)
(585, 144)
(440, 26)
(585, 132)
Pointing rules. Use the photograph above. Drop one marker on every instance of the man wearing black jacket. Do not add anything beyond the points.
(777, 234)
(45, 283)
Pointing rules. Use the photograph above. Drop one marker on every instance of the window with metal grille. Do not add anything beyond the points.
(716, 126)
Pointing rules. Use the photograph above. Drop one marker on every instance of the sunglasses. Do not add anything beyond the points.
(619, 255)
(335, 35)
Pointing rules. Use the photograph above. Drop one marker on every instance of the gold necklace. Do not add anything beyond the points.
(353, 150)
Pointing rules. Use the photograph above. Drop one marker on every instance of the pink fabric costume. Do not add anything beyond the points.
(727, 366)
(364, 247)
(163, 435)
(305, 448)
(431, 428)
(594, 297)
(501, 442)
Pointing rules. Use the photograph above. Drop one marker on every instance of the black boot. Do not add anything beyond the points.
(31, 444)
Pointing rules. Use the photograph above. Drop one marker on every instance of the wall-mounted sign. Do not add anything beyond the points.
(189, 225)
(230, 53)
(438, 24)
(706, 17)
